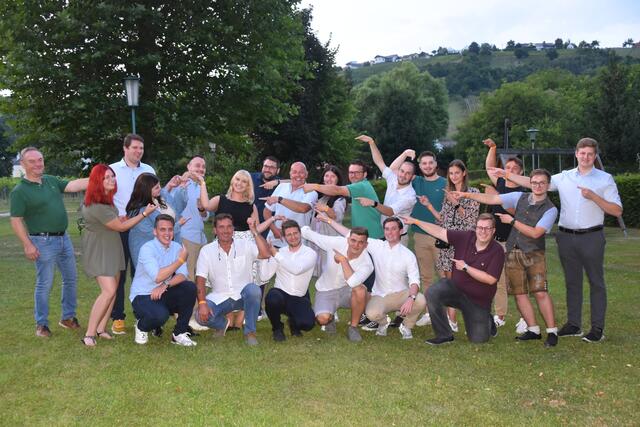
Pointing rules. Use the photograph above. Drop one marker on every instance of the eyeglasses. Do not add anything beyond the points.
(355, 172)
(269, 167)
(539, 183)
(484, 229)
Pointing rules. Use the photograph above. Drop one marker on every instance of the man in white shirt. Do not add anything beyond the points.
(290, 200)
(127, 171)
(397, 283)
(341, 284)
(293, 267)
(400, 197)
(227, 264)
(586, 194)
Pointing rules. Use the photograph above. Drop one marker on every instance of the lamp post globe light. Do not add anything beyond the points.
(132, 85)
(532, 132)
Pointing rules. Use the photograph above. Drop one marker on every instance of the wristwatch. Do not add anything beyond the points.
(413, 297)
(280, 199)
(513, 221)
(464, 267)
(166, 282)
(375, 204)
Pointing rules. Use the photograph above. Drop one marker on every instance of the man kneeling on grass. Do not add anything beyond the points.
(478, 262)
(526, 267)
(227, 264)
(341, 284)
(160, 286)
(293, 267)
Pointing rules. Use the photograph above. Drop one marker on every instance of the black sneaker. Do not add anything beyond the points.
(371, 326)
(363, 320)
(439, 341)
(494, 329)
(529, 336)
(568, 330)
(278, 335)
(157, 332)
(594, 335)
(551, 341)
(295, 332)
(396, 322)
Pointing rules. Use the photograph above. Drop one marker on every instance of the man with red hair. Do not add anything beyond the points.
(39, 219)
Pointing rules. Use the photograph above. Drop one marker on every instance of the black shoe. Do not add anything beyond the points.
(157, 332)
(494, 329)
(190, 331)
(529, 336)
(295, 332)
(568, 330)
(371, 326)
(439, 341)
(396, 322)
(552, 340)
(594, 335)
(278, 335)
(363, 320)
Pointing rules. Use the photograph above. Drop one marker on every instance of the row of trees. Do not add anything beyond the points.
(564, 107)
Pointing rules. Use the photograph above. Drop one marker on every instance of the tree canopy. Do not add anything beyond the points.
(207, 68)
(402, 108)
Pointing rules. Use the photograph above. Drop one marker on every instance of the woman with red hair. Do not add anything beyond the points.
(102, 255)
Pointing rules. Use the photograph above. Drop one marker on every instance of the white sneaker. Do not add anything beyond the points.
(424, 320)
(183, 339)
(454, 325)
(498, 321)
(521, 326)
(193, 324)
(406, 332)
(382, 329)
(141, 336)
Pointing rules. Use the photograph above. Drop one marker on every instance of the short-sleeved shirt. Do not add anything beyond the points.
(40, 204)
(510, 201)
(577, 212)
(502, 229)
(362, 216)
(284, 190)
(126, 178)
(153, 257)
(228, 273)
(489, 260)
(434, 190)
(400, 200)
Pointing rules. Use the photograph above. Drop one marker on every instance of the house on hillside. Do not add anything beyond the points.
(409, 57)
(636, 45)
(544, 45)
(379, 59)
(354, 64)
(572, 46)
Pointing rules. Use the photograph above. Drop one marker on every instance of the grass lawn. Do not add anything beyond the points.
(317, 380)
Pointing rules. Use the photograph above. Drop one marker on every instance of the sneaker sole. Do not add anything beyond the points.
(184, 345)
(585, 339)
(579, 334)
(436, 345)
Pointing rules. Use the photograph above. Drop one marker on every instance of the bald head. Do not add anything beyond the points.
(298, 174)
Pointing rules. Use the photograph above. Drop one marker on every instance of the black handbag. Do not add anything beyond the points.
(441, 244)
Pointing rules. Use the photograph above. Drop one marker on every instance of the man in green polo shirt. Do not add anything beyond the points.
(39, 219)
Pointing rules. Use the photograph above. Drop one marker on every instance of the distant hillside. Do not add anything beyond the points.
(469, 75)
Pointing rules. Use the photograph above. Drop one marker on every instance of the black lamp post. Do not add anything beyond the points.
(532, 132)
(131, 85)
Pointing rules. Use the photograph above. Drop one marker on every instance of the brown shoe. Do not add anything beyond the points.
(70, 323)
(219, 333)
(43, 331)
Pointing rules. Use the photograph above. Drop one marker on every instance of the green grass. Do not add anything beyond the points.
(317, 380)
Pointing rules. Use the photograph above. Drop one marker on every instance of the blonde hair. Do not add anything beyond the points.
(248, 193)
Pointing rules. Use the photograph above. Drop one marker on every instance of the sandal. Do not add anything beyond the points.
(92, 340)
(104, 335)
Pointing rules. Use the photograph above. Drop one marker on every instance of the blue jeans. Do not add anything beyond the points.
(249, 302)
(177, 299)
(54, 250)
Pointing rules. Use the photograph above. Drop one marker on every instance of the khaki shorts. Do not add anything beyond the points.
(526, 272)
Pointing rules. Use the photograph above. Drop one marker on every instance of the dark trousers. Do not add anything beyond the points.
(580, 252)
(118, 305)
(477, 320)
(177, 299)
(298, 309)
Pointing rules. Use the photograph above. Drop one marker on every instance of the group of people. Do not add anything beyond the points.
(265, 226)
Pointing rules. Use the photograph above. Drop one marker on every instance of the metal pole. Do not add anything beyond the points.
(133, 119)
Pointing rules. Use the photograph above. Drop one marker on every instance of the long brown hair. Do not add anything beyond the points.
(465, 180)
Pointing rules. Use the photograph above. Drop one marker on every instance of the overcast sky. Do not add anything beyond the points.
(365, 28)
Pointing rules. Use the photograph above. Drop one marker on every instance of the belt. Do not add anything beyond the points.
(56, 234)
(582, 230)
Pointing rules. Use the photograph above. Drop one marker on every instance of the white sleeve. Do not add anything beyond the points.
(267, 268)
(326, 243)
(339, 207)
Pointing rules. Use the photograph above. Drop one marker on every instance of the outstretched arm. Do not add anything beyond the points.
(487, 199)
(328, 190)
(341, 229)
(432, 229)
(521, 180)
(76, 185)
(375, 152)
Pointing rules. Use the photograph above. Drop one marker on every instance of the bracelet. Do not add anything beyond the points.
(201, 209)
(144, 214)
(329, 221)
(202, 302)
(181, 260)
(317, 187)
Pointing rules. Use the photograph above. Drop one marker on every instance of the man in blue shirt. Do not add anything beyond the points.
(160, 286)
